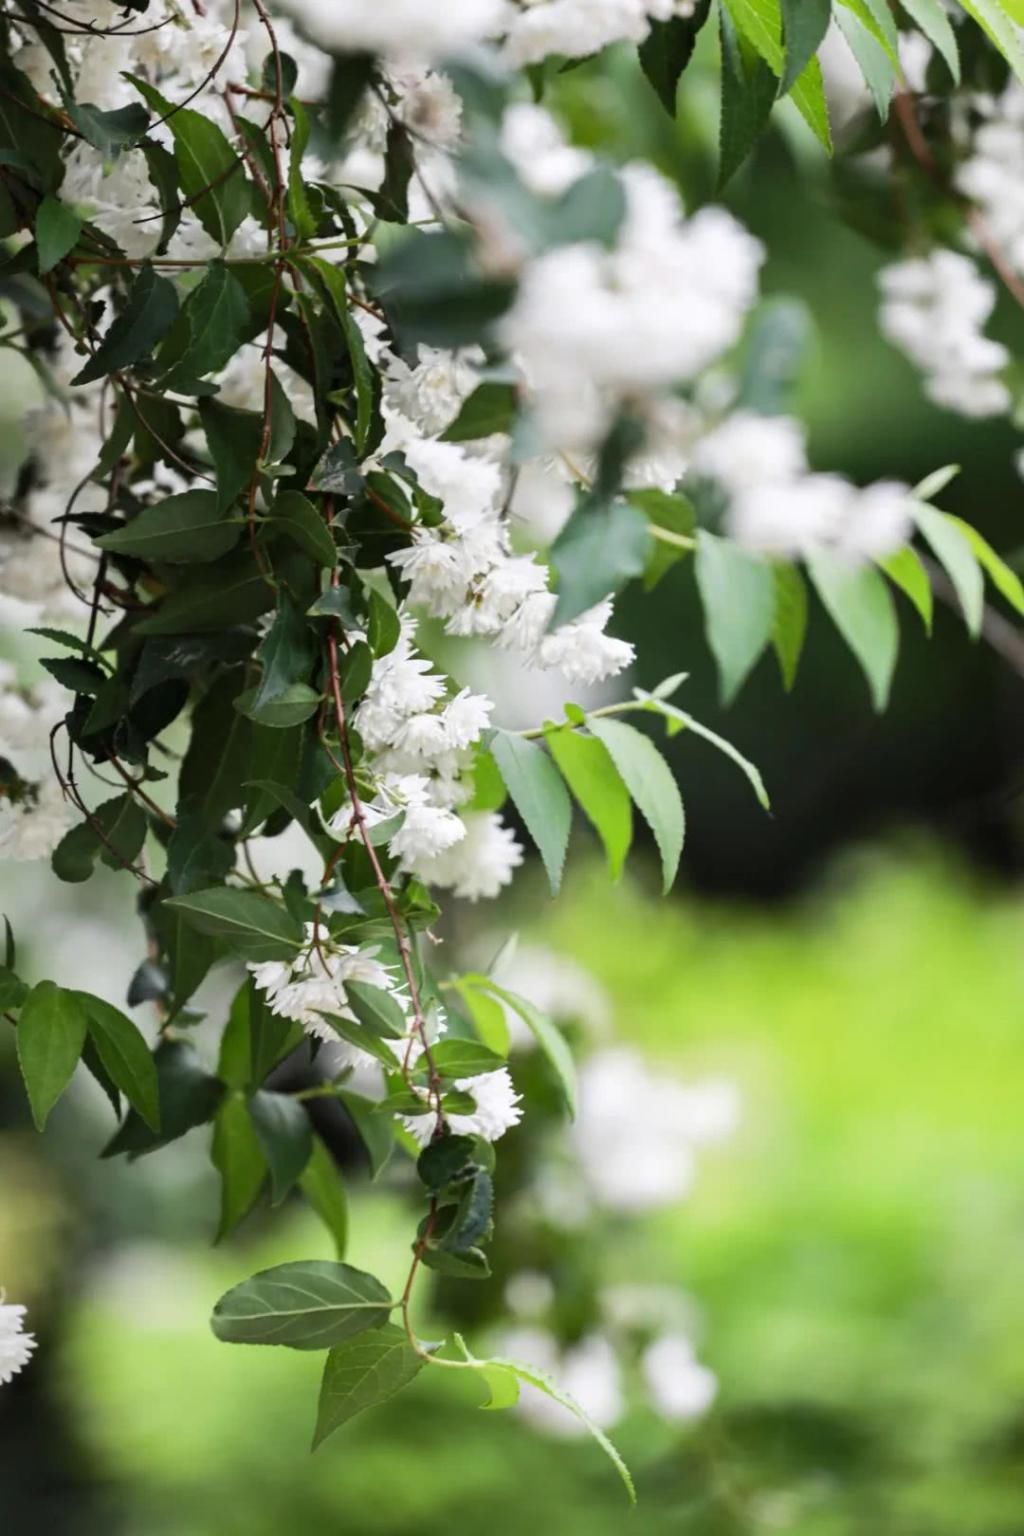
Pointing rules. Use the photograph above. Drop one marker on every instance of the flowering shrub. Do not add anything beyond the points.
(346, 344)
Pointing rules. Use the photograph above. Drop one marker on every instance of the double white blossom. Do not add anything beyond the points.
(16, 1345)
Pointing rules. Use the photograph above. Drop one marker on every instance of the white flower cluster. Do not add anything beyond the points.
(991, 176)
(33, 813)
(637, 1132)
(16, 1346)
(313, 987)
(577, 28)
(776, 507)
(934, 309)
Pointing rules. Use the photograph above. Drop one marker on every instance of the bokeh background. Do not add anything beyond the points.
(852, 1258)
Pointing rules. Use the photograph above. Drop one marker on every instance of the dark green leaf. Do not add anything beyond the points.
(601, 547)
(492, 407)
(286, 1137)
(13, 990)
(376, 1009)
(667, 50)
(151, 311)
(789, 625)
(109, 132)
(234, 440)
(50, 1036)
(214, 323)
(125, 1056)
(189, 1096)
(443, 1160)
(322, 1185)
(212, 176)
(312, 1304)
(231, 591)
(804, 24)
(748, 94)
(58, 228)
(254, 926)
(185, 529)
(296, 516)
(362, 1373)
(464, 1058)
(237, 1157)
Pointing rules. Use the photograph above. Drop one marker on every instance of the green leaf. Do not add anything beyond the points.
(1006, 582)
(876, 66)
(492, 407)
(749, 90)
(286, 654)
(487, 1015)
(594, 780)
(254, 926)
(789, 625)
(238, 1158)
(109, 132)
(992, 17)
(295, 515)
(362, 1373)
(472, 1222)
(323, 1187)
(904, 570)
(285, 1136)
(50, 1036)
(13, 990)
(601, 547)
(464, 1058)
(876, 17)
(502, 1385)
(760, 22)
(775, 351)
(445, 1159)
(312, 1304)
(738, 593)
(189, 1096)
(548, 1036)
(861, 608)
(542, 1383)
(212, 176)
(151, 310)
(184, 529)
(376, 1132)
(931, 18)
(283, 425)
(953, 551)
(378, 1010)
(115, 833)
(667, 50)
(234, 591)
(125, 1055)
(58, 228)
(684, 721)
(804, 24)
(299, 211)
(649, 780)
(214, 321)
(234, 439)
(539, 795)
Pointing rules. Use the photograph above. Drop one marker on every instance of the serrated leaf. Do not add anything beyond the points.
(876, 17)
(238, 1158)
(932, 20)
(749, 90)
(255, 927)
(234, 591)
(189, 1096)
(212, 176)
(321, 1183)
(738, 594)
(488, 1017)
(548, 1036)
(804, 24)
(649, 780)
(375, 1131)
(188, 528)
(58, 228)
(151, 310)
(992, 17)
(601, 547)
(378, 1010)
(587, 768)
(492, 407)
(125, 1055)
(875, 65)
(539, 795)
(215, 320)
(687, 722)
(233, 437)
(109, 132)
(861, 607)
(760, 21)
(50, 1036)
(362, 1373)
(464, 1058)
(296, 516)
(285, 1136)
(312, 1304)
(13, 990)
(1006, 581)
(904, 570)
(789, 625)
(952, 549)
(668, 49)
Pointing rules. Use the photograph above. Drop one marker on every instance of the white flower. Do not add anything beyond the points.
(748, 450)
(430, 395)
(536, 146)
(469, 488)
(991, 176)
(465, 717)
(934, 309)
(582, 652)
(821, 512)
(313, 984)
(497, 1109)
(32, 827)
(480, 864)
(680, 1387)
(636, 1130)
(426, 831)
(576, 28)
(399, 28)
(16, 1346)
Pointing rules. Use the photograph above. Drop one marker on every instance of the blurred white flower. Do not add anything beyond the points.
(680, 1387)
(16, 1346)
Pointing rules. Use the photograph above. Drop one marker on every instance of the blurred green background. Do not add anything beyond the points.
(853, 963)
